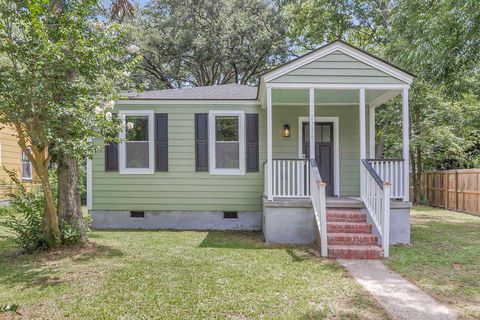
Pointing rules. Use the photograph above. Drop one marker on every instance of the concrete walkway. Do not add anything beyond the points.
(399, 297)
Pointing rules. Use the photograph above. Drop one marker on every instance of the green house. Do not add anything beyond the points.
(294, 157)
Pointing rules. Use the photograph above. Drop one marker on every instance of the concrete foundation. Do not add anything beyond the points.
(399, 223)
(290, 221)
(176, 220)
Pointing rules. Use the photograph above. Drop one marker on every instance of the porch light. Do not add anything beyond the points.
(286, 130)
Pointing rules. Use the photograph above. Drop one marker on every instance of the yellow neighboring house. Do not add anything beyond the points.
(12, 157)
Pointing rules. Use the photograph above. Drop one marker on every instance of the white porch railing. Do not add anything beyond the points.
(391, 171)
(319, 204)
(376, 196)
(290, 178)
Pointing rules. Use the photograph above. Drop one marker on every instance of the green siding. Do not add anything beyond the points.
(181, 188)
(337, 68)
(349, 147)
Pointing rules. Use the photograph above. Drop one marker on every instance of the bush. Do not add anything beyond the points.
(24, 216)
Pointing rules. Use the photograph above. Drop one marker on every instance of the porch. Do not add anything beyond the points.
(321, 136)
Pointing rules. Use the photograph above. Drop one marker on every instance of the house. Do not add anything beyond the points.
(236, 157)
(13, 158)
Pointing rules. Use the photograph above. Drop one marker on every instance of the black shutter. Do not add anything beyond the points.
(252, 142)
(161, 142)
(111, 156)
(201, 141)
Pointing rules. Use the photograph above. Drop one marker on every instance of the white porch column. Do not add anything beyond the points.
(269, 145)
(312, 122)
(371, 131)
(363, 147)
(406, 145)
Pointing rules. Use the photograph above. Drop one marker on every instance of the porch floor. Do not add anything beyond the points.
(332, 202)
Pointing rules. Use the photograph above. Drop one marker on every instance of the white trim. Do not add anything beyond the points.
(269, 145)
(356, 54)
(406, 145)
(363, 140)
(336, 147)
(188, 102)
(151, 135)
(316, 104)
(339, 86)
(89, 184)
(241, 141)
(30, 178)
(384, 98)
(371, 131)
(311, 120)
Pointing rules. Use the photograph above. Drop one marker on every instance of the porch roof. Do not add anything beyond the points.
(339, 70)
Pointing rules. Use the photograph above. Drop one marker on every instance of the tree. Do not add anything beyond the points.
(438, 41)
(59, 70)
(208, 42)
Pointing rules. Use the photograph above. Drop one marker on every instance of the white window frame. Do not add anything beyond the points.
(122, 146)
(241, 141)
(29, 162)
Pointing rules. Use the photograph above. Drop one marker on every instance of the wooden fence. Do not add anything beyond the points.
(457, 190)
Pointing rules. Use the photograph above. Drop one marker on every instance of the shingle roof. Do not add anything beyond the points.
(218, 92)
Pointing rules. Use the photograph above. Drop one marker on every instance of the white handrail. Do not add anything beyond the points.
(391, 171)
(376, 195)
(290, 178)
(319, 204)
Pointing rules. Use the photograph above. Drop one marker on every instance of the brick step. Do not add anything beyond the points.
(351, 239)
(348, 227)
(354, 252)
(346, 216)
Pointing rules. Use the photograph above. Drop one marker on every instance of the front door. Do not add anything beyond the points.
(323, 150)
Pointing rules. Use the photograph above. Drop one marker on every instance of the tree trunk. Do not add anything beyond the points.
(414, 176)
(69, 205)
(419, 170)
(50, 216)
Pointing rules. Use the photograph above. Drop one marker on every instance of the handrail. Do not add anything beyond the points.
(385, 159)
(374, 173)
(318, 177)
(319, 205)
(393, 172)
(291, 159)
(375, 194)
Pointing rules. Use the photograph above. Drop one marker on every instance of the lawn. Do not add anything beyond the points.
(444, 258)
(180, 275)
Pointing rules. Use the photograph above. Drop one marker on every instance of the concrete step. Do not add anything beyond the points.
(351, 239)
(348, 227)
(354, 252)
(346, 216)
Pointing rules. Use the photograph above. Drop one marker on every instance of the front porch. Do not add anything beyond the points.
(321, 139)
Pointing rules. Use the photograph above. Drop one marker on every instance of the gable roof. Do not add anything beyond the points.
(218, 92)
(347, 49)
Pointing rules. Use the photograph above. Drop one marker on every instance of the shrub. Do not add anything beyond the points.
(24, 216)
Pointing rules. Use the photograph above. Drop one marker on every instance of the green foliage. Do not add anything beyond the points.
(9, 307)
(24, 216)
(199, 43)
(438, 41)
(71, 234)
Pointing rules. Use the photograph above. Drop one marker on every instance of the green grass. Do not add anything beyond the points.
(444, 258)
(180, 275)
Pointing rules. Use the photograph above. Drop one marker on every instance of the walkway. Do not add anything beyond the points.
(399, 297)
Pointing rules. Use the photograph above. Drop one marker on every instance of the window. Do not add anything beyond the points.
(26, 167)
(136, 148)
(227, 139)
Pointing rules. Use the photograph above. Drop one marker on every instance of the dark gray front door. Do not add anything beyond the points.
(323, 150)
